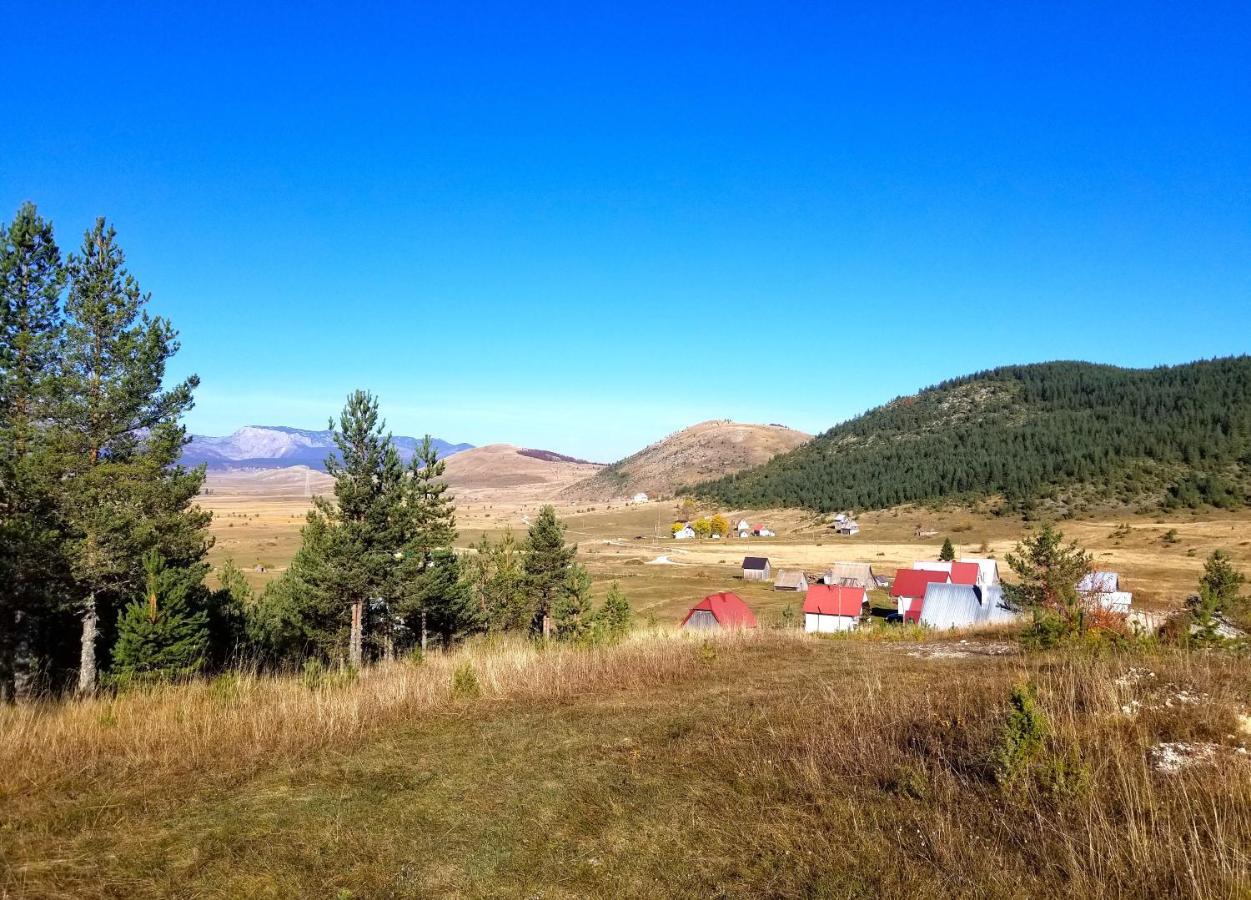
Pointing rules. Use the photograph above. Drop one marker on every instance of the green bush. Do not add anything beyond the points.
(465, 685)
(1021, 739)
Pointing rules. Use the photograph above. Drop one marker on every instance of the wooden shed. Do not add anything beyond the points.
(757, 568)
(790, 580)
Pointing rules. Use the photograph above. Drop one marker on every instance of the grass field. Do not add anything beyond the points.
(262, 525)
(767, 765)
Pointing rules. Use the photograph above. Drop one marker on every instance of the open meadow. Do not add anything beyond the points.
(766, 764)
(258, 516)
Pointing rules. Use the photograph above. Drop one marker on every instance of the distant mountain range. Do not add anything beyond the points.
(277, 446)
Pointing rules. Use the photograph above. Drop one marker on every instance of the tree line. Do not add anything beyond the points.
(103, 550)
(1176, 435)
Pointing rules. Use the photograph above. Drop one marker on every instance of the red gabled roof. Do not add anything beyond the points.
(913, 582)
(834, 600)
(728, 609)
(913, 615)
(965, 573)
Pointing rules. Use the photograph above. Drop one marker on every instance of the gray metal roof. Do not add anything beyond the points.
(963, 606)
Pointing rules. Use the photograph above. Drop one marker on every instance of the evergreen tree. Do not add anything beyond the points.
(32, 277)
(948, 553)
(1048, 572)
(547, 561)
(229, 609)
(336, 593)
(494, 574)
(572, 612)
(119, 440)
(428, 526)
(166, 634)
(614, 617)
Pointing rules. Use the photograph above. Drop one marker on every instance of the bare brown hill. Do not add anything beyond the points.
(506, 472)
(698, 453)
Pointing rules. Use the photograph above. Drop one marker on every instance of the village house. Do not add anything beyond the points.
(720, 612)
(947, 605)
(757, 568)
(848, 527)
(1104, 590)
(685, 533)
(639, 498)
(988, 570)
(909, 589)
(830, 608)
(851, 574)
(790, 580)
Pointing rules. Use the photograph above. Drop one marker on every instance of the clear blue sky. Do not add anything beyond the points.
(581, 226)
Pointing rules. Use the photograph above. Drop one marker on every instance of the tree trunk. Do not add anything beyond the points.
(8, 656)
(547, 626)
(423, 630)
(87, 657)
(354, 640)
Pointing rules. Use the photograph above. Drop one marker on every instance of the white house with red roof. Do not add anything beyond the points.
(909, 589)
(832, 607)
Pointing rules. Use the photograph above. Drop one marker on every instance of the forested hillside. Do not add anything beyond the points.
(1065, 432)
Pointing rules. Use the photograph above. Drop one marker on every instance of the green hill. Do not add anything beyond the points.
(1066, 433)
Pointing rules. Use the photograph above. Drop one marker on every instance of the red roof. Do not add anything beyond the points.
(913, 614)
(913, 582)
(964, 573)
(834, 600)
(728, 609)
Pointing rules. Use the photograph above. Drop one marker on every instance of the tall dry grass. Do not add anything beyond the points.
(231, 724)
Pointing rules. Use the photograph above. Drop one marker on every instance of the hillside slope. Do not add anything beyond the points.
(1068, 433)
(707, 450)
(502, 471)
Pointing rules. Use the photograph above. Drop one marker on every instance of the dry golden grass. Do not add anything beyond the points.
(769, 764)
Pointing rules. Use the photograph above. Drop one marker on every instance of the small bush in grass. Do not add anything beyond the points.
(1021, 740)
(465, 685)
(707, 653)
(416, 656)
(312, 673)
(1062, 776)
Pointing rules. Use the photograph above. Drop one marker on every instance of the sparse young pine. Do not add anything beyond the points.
(948, 552)
(615, 616)
(1048, 572)
(547, 561)
(496, 583)
(164, 634)
(572, 614)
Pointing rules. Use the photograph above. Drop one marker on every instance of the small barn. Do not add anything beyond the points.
(963, 606)
(851, 574)
(832, 607)
(639, 498)
(848, 527)
(790, 580)
(743, 525)
(757, 568)
(910, 586)
(684, 533)
(720, 612)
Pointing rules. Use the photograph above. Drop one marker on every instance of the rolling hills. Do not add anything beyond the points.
(707, 450)
(1066, 434)
(519, 473)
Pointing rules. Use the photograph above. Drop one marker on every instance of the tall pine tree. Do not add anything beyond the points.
(164, 634)
(119, 438)
(32, 277)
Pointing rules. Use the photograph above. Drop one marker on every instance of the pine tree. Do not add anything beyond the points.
(948, 553)
(428, 525)
(343, 578)
(1048, 572)
(228, 611)
(572, 612)
(166, 633)
(614, 617)
(496, 582)
(32, 277)
(547, 560)
(119, 440)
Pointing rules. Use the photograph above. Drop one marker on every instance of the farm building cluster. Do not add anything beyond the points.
(942, 595)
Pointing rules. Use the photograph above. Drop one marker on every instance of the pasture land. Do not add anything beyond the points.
(1160, 556)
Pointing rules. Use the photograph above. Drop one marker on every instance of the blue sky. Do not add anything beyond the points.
(582, 226)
